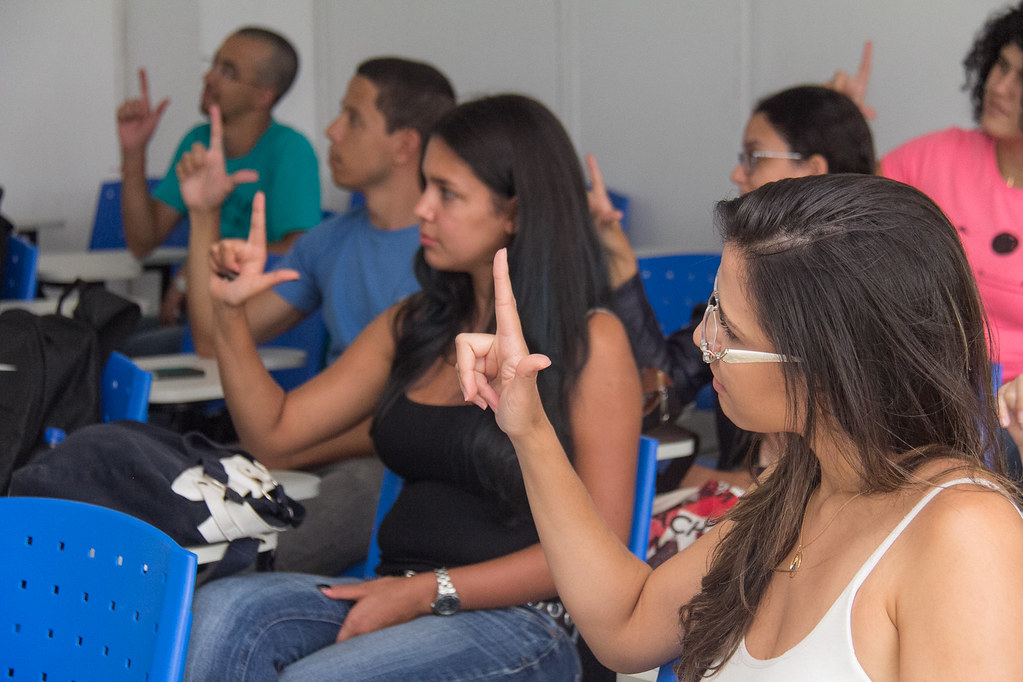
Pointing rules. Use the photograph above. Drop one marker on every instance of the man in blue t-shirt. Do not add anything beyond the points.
(352, 266)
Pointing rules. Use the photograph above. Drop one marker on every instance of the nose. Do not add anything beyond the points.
(424, 207)
(738, 176)
(334, 130)
(698, 333)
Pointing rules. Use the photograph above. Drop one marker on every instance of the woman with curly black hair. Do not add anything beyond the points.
(976, 175)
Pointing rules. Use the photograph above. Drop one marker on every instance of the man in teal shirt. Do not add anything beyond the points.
(250, 73)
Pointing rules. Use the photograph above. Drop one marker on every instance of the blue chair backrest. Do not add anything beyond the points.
(643, 506)
(20, 270)
(89, 593)
(621, 202)
(675, 283)
(108, 226)
(124, 390)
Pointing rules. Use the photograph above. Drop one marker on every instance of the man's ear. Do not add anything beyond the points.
(408, 146)
(266, 97)
(817, 164)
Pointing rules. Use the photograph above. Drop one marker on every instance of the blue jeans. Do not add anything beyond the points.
(279, 626)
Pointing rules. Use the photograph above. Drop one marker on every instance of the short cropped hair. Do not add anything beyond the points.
(279, 72)
(410, 94)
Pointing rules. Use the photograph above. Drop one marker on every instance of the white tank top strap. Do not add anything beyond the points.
(871, 562)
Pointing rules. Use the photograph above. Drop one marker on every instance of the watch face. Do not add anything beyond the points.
(447, 605)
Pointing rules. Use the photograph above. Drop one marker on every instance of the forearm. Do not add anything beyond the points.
(140, 232)
(351, 444)
(203, 233)
(621, 259)
(254, 399)
(510, 580)
(593, 571)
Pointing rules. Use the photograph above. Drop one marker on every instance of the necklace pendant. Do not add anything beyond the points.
(796, 561)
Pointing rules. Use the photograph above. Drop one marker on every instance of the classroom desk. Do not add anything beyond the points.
(40, 306)
(180, 390)
(91, 266)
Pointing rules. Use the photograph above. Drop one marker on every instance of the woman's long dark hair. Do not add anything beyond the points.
(866, 281)
(519, 150)
(817, 120)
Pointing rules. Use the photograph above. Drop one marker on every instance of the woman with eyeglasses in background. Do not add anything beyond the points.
(800, 131)
(878, 546)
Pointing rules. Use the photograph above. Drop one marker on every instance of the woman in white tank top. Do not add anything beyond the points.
(879, 546)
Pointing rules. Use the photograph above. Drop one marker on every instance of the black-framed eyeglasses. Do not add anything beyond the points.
(748, 160)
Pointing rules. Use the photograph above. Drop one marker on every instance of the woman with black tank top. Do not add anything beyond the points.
(462, 575)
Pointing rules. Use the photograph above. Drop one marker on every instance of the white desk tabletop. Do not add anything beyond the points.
(40, 306)
(179, 390)
(91, 266)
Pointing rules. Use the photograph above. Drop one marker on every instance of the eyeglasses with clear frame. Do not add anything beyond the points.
(748, 160)
(713, 349)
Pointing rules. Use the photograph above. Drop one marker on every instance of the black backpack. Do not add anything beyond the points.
(51, 367)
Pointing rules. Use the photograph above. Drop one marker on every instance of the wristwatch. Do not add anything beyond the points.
(446, 603)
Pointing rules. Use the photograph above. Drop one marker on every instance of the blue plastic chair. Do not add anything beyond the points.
(643, 506)
(621, 202)
(124, 390)
(20, 270)
(674, 284)
(108, 226)
(90, 593)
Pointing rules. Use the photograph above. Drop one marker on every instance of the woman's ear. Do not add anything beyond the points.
(817, 164)
(511, 208)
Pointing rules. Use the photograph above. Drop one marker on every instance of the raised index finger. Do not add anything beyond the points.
(596, 178)
(143, 86)
(216, 129)
(257, 226)
(509, 328)
(866, 64)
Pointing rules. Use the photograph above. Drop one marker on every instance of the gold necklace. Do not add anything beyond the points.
(797, 559)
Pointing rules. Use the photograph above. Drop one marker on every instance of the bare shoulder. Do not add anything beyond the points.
(606, 329)
(964, 520)
(958, 588)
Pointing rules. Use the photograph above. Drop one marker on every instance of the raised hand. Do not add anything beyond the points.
(236, 265)
(621, 259)
(497, 370)
(855, 87)
(603, 211)
(136, 119)
(202, 172)
(1010, 409)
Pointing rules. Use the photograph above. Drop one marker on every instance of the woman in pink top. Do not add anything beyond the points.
(976, 177)
(845, 316)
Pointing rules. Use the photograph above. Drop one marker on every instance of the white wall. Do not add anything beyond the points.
(659, 90)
